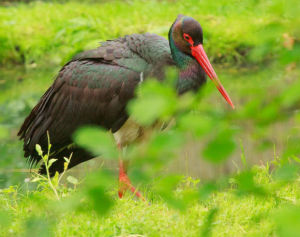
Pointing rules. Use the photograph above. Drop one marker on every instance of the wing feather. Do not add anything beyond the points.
(70, 103)
(93, 88)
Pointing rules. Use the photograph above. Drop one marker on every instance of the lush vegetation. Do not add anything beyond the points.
(255, 47)
(224, 213)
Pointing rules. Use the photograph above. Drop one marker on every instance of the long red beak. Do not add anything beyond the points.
(199, 53)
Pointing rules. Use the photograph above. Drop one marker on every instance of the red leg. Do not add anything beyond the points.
(124, 182)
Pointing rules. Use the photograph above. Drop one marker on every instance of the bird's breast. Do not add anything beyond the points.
(131, 131)
(128, 133)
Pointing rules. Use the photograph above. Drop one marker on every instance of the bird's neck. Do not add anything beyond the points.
(191, 75)
(182, 60)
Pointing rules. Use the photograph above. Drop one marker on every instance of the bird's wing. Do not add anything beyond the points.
(93, 88)
(86, 91)
(147, 53)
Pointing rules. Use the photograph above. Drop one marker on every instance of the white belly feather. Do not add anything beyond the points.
(131, 131)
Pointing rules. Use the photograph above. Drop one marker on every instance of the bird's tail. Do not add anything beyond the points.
(31, 131)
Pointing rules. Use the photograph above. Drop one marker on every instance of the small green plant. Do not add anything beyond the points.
(55, 182)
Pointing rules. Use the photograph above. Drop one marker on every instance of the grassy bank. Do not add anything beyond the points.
(234, 31)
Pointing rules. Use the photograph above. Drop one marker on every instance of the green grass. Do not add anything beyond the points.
(234, 31)
(232, 214)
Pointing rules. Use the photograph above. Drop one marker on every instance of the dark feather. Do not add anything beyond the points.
(92, 89)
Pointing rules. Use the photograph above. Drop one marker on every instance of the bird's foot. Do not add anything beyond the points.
(125, 184)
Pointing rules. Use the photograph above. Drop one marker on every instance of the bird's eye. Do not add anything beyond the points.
(186, 36)
(188, 39)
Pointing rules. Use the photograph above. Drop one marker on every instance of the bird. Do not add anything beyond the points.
(95, 86)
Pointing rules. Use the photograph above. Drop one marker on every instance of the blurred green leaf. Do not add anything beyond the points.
(207, 227)
(268, 113)
(206, 190)
(96, 188)
(147, 110)
(286, 173)
(289, 56)
(160, 148)
(291, 95)
(99, 200)
(165, 187)
(247, 185)
(93, 193)
(220, 147)
(199, 125)
(165, 143)
(155, 101)
(98, 141)
(292, 148)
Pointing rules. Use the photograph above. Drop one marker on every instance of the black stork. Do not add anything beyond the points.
(96, 85)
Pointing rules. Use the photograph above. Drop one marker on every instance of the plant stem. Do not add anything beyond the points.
(59, 179)
(47, 169)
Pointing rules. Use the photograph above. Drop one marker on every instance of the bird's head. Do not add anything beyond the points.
(186, 33)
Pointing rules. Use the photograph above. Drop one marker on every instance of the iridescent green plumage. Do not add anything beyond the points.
(95, 87)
